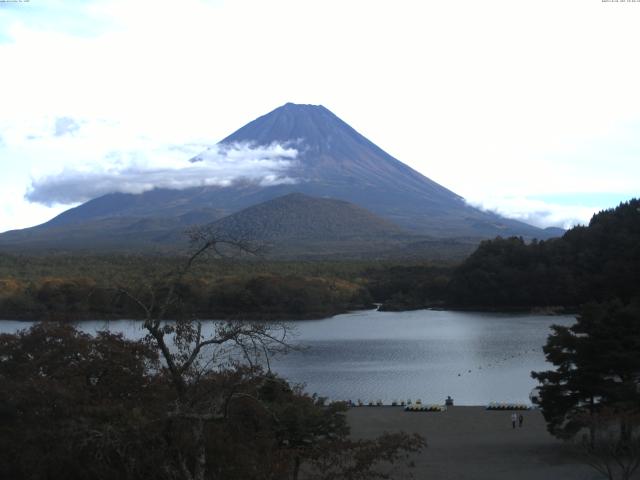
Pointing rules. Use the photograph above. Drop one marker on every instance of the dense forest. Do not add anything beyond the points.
(589, 263)
(100, 293)
(72, 287)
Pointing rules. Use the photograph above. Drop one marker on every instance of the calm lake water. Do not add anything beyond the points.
(474, 357)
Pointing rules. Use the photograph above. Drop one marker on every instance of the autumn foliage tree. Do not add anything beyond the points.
(75, 406)
(71, 405)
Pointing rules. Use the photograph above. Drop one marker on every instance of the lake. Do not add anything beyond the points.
(475, 357)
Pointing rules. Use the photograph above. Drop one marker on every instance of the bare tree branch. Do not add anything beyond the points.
(183, 355)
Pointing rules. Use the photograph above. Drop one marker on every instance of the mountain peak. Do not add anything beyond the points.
(291, 123)
(332, 153)
(300, 110)
(301, 106)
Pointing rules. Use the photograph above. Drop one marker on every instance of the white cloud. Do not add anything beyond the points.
(538, 212)
(142, 171)
(51, 161)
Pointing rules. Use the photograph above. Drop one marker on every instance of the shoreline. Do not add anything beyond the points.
(315, 316)
(550, 310)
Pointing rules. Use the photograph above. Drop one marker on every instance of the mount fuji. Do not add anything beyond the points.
(334, 162)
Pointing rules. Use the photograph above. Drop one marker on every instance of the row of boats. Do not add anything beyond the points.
(380, 403)
(418, 406)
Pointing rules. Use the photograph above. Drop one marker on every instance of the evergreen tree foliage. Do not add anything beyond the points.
(594, 263)
(597, 364)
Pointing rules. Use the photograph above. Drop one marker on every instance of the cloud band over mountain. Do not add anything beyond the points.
(122, 173)
(537, 212)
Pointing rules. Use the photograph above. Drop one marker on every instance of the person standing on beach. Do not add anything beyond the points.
(514, 417)
(520, 420)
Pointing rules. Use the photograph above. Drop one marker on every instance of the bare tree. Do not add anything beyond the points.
(190, 349)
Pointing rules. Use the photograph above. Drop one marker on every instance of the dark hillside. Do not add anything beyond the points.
(300, 226)
(592, 263)
(298, 216)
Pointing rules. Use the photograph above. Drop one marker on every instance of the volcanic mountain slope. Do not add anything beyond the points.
(334, 161)
(297, 225)
(300, 217)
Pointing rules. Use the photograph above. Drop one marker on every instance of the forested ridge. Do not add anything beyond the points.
(588, 263)
(73, 287)
(232, 295)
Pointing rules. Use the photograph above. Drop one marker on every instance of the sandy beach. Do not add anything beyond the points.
(474, 443)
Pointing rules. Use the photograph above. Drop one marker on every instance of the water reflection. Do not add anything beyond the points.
(474, 357)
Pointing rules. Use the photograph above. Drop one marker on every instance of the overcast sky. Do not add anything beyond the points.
(531, 107)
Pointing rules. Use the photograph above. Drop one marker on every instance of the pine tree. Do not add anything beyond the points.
(597, 367)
